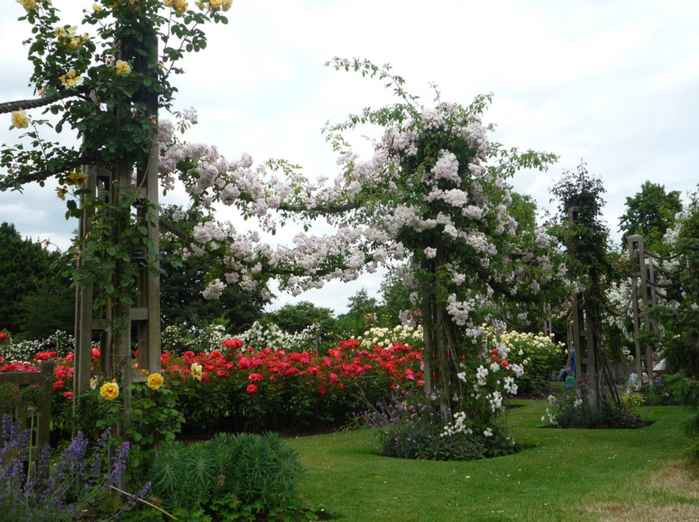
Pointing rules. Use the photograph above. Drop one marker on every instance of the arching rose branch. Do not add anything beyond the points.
(433, 194)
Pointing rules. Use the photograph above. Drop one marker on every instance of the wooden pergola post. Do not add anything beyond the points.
(646, 274)
(585, 337)
(116, 353)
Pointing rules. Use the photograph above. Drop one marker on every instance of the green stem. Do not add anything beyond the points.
(29, 464)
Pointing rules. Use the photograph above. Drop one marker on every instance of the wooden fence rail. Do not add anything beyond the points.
(22, 411)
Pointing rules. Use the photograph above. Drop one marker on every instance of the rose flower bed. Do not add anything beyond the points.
(248, 389)
(236, 389)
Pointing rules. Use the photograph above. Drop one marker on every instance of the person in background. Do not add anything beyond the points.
(570, 369)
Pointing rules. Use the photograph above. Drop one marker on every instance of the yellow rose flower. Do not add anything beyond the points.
(96, 8)
(20, 120)
(93, 383)
(109, 390)
(215, 3)
(122, 67)
(180, 6)
(196, 370)
(155, 381)
(227, 4)
(61, 191)
(77, 178)
(29, 5)
(70, 79)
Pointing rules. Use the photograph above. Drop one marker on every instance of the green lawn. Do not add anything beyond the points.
(561, 473)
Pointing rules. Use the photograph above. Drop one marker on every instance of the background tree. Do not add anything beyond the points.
(294, 318)
(395, 298)
(52, 306)
(25, 277)
(649, 213)
(363, 312)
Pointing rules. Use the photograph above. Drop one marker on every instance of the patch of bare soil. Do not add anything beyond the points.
(669, 494)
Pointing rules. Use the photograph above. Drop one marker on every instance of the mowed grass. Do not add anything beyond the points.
(564, 475)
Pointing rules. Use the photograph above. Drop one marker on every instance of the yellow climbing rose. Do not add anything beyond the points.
(155, 381)
(109, 390)
(20, 120)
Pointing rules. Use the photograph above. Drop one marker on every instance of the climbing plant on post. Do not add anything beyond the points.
(106, 81)
(586, 236)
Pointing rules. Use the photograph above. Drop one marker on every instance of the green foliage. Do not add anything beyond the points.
(150, 420)
(569, 410)
(294, 318)
(650, 213)
(409, 427)
(587, 237)
(362, 314)
(178, 338)
(25, 268)
(395, 298)
(235, 477)
(681, 321)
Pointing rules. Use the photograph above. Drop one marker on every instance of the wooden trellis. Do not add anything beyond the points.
(586, 336)
(642, 300)
(115, 359)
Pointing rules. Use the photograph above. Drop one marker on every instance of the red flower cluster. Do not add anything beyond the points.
(494, 357)
(3, 337)
(398, 363)
(232, 344)
(18, 367)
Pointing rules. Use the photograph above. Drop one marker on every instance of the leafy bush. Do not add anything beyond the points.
(232, 476)
(413, 428)
(178, 339)
(271, 336)
(659, 394)
(568, 409)
(686, 392)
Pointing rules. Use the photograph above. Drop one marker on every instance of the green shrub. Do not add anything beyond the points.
(570, 410)
(408, 429)
(230, 476)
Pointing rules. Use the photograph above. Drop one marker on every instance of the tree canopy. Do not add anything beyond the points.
(650, 213)
(32, 301)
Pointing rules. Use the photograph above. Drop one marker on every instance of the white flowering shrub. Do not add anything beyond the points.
(178, 339)
(271, 336)
(60, 342)
(539, 355)
(385, 337)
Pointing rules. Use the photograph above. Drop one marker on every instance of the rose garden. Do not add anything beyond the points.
(429, 403)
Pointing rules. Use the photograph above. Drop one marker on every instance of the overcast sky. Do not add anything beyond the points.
(611, 82)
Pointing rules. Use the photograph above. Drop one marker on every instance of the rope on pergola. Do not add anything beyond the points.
(35, 103)
(42, 175)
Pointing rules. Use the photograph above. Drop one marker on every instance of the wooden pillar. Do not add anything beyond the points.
(641, 303)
